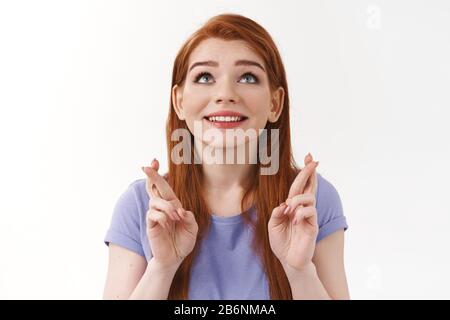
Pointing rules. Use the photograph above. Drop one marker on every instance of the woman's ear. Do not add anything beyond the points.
(177, 98)
(277, 104)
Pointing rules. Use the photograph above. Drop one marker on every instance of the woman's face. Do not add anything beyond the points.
(226, 87)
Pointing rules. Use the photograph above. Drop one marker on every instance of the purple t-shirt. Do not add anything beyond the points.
(226, 267)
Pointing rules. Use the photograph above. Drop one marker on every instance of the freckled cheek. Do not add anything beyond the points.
(193, 105)
(257, 103)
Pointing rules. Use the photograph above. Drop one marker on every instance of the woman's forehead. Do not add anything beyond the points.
(214, 49)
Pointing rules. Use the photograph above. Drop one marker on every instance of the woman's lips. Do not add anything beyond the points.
(226, 124)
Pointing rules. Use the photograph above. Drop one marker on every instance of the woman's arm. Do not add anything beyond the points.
(329, 261)
(325, 277)
(131, 277)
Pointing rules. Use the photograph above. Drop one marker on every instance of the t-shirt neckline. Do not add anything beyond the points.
(230, 219)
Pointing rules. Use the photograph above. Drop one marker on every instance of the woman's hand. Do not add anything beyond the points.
(293, 224)
(171, 230)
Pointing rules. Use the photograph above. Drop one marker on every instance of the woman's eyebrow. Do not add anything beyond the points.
(237, 63)
(249, 63)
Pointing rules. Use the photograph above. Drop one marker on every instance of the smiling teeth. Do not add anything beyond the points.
(224, 119)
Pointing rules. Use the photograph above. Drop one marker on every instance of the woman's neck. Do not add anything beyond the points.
(224, 177)
(224, 186)
(225, 183)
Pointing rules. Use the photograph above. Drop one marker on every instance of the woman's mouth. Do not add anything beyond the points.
(226, 122)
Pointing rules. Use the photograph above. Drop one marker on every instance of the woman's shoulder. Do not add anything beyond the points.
(326, 191)
(138, 188)
(133, 200)
(134, 192)
(330, 213)
(128, 217)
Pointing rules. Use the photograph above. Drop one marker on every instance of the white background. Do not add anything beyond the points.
(84, 92)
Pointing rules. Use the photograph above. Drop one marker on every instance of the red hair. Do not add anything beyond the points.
(268, 190)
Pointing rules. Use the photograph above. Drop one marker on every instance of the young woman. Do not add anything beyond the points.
(220, 230)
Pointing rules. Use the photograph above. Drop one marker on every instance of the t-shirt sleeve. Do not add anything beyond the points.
(330, 215)
(124, 229)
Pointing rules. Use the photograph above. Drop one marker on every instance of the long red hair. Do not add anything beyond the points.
(264, 191)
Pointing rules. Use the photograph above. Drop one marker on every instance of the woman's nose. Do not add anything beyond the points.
(226, 94)
(225, 100)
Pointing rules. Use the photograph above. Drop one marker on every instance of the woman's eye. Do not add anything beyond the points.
(203, 77)
(250, 78)
(206, 77)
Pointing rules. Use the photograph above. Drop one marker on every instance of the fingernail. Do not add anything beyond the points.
(286, 210)
(176, 216)
(294, 221)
